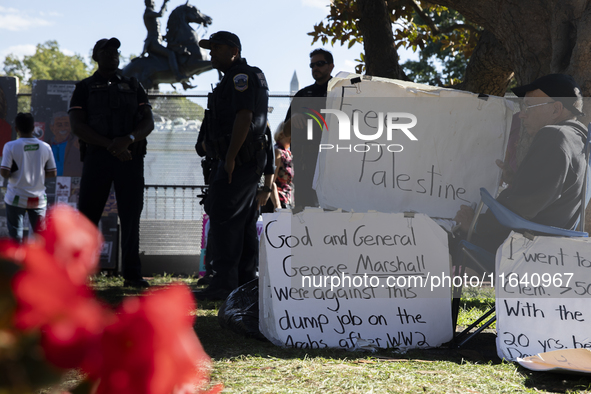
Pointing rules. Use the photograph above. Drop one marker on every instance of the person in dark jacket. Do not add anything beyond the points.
(235, 138)
(112, 117)
(305, 152)
(548, 184)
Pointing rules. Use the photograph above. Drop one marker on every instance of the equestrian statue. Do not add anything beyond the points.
(181, 58)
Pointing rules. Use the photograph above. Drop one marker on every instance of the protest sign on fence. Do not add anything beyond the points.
(395, 146)
(543, 289)
(348, 280)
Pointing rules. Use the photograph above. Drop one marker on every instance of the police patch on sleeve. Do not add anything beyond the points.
(262, 80)
(241, 82)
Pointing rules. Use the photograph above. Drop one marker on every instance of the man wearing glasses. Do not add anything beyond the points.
(305, 152)
(112, 117)
(322, 64)
(548, 183)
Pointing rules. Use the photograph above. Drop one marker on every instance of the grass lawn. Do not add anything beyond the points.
(251, 366)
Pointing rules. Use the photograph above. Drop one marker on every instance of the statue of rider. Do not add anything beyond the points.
(153, 43)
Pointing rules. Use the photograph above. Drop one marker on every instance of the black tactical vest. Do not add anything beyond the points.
(112, 107)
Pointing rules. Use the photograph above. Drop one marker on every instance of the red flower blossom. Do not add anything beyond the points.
(152, 348)
(70, 318)
(73, 241)
(47, 294)
(50, 289)
(149, 347)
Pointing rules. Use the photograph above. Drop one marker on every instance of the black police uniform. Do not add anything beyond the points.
(112, 110)
(232, 206)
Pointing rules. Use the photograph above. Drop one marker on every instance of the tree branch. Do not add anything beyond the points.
(459, 26)
(426, 18)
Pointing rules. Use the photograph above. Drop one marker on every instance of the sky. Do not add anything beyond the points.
(273, 32)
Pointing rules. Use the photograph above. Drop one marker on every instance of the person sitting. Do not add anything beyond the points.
(548, 184)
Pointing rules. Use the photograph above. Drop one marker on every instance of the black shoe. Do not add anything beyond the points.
(212, 294)
(136, 283)
(204, 281)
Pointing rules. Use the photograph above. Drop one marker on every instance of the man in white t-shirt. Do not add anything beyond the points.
(26, 162)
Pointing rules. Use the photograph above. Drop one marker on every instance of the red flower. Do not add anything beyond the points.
(152, 348)
(46, 293)
(149, 347)
(51, 288)
(73, 241)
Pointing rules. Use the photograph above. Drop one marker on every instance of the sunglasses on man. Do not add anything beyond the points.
(319, 63)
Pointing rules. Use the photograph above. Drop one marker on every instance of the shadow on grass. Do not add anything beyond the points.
(221, 343)
(555, 382)
(224, 344)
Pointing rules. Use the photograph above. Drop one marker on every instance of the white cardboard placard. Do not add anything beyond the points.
(543, 289)
(459, 137)
(560, 361)
(314, 243)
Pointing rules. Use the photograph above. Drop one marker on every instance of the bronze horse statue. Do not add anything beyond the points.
(183, 39)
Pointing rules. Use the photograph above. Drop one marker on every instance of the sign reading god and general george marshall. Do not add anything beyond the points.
(349, 280)
(543, 289)
(395, 146)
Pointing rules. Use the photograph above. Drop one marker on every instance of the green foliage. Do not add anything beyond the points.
(24, 102)
(436, 66)
(48, 62)
(13, 67)
(441, 35)
(443, 58)
(341, 24)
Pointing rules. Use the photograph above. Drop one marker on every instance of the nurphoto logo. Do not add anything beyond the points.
(402, 121)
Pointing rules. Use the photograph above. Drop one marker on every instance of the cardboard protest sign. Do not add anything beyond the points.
(561, 361)
(543, 289)
(343, 280)
(395, 146)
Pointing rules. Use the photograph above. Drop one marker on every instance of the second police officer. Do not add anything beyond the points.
(235, 135)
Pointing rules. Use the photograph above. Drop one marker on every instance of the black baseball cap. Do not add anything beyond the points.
(560, 87)
(221, 37)
(105, 43)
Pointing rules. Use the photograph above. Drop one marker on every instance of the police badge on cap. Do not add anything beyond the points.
(241, 82)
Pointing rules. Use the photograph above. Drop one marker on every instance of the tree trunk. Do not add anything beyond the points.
(553, 36)
(540, 38)
(381, 58)
(489, 69)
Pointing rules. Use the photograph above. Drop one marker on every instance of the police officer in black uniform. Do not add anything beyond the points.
(235, 135)
(112, 117)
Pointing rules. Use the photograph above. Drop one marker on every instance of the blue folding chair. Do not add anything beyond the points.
(474, 256)
(483, 260)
